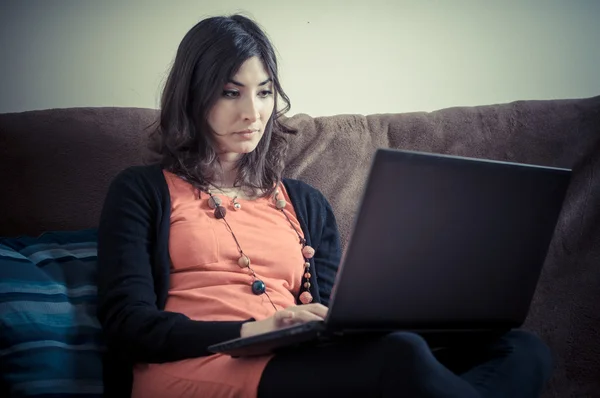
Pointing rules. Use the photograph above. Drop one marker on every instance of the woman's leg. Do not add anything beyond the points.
(518, 364)
(396, 365)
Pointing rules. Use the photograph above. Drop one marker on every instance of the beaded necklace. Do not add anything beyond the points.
(258, 286)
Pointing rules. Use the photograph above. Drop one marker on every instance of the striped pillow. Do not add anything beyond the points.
(50, 339)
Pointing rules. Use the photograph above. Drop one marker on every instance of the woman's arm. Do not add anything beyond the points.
(127, 306)
(328, 252)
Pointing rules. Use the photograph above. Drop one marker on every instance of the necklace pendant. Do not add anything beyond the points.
(258, 287)
(281, 203)
(220, 212)
(244, 261)
(306, 298)
(308, 252)
(214, 202)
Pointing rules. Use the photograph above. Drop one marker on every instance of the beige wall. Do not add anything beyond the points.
(337, 56)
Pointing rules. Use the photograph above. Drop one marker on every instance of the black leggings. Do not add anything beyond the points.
(402, 365)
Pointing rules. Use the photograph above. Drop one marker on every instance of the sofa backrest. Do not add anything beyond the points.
(56, 164)
(334, 153)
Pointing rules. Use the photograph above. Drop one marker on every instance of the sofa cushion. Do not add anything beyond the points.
(50, 339)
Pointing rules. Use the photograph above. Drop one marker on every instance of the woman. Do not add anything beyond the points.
(212, 244)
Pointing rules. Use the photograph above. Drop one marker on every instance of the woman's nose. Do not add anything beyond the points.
(250, 110)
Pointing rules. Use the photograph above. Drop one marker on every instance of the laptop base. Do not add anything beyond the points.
(316, 334)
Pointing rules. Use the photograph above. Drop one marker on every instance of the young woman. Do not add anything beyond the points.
(211, 243)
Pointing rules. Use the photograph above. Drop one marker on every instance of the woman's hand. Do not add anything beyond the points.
(290, 316)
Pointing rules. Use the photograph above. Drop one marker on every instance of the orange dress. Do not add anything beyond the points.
(207, 284)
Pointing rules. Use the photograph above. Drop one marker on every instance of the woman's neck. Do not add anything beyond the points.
(228, 172)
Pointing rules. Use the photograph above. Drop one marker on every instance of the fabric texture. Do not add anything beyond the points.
(50, 339)
(206, 281)
(401, 364)
(208, 284)
(134, 273)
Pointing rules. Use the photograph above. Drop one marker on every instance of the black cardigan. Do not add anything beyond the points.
(134, 266)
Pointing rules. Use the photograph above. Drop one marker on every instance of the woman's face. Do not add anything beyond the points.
(239, 117)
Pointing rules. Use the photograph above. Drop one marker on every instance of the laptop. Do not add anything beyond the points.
(441, 246)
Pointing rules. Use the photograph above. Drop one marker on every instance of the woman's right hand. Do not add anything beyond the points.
(290, 316)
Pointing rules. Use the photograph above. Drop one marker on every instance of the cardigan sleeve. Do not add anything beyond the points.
(127, 310)
(327, 252)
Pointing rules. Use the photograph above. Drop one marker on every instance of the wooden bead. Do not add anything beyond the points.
(244, 261)
(307, 285)
(220, 212)
(307, 275)
(306, 297)
(214, 201)
(308, 252)
(281, 203)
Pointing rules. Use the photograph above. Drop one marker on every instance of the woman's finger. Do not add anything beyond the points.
(316, 308)
(283, 315)
(305, 316)
(288, 317)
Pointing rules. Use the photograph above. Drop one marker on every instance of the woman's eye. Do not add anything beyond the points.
(230, 94)
(265, 93)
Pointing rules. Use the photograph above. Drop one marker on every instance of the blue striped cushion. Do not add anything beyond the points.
(50, 339)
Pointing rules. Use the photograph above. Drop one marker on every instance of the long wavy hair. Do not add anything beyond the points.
(209, 55)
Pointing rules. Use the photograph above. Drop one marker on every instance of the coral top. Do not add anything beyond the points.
(207, 284)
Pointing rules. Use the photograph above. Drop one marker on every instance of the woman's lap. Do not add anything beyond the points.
(401, 364)
(517, 364)
(385, 367)
(210, 376)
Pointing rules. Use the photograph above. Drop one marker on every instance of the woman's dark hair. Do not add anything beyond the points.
(209, 55)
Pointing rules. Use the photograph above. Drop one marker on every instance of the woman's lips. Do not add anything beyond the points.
(246, 133)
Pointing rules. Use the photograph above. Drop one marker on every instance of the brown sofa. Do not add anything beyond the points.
(55, 166)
